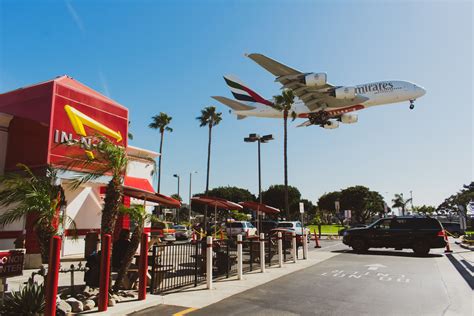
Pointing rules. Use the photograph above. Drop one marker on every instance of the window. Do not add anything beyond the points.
(285, 225)
(383, 224)
(298, 224)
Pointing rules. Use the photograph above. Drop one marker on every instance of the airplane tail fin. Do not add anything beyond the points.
(242, 93)
(234, 105)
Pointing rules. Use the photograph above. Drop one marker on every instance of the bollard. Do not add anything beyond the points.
(280, 250)
(104, 273)
(239, 257)
(143, 267)
(448, 249)
(52, 277)
(209, 262)
(305, 246)
(316, 241)
(293, 246)
(262, 252)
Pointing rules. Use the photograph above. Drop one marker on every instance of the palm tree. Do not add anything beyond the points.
(37, 195)
(139, 217)
(160, 122)
(110, 160)
(284, 103)
(209, 117)
(400, 202)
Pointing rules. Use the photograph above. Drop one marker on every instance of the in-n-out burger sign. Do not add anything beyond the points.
(11, 263)
(78, 121)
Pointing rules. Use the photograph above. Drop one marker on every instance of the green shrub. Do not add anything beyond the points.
(29, 300)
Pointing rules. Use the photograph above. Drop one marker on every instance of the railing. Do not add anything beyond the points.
(176, 265)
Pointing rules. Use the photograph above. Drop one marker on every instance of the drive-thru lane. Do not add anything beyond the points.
(377, 283)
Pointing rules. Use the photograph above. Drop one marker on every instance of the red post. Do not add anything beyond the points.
(104, 281)
(143, 268)
(316, 241)
(53, 275)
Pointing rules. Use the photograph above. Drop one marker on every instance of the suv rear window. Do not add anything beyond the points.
(235, 225)
(285, 225)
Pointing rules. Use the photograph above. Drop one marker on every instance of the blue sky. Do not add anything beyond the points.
(169, 56)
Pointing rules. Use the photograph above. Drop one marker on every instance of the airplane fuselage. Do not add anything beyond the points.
(377, 93)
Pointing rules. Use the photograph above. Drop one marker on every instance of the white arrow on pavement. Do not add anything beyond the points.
(375, 266)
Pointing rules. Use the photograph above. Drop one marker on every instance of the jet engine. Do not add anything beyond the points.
(315, 80)
(344, 93)
(348, 118)
(331, 125)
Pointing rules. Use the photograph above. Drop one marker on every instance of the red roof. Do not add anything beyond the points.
(260, 207)
(217, 202)
(140, 188)
(138, 183)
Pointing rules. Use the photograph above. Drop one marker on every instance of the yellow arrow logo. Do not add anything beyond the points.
(79, 119)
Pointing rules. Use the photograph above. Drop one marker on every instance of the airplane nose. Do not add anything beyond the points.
(420, 91)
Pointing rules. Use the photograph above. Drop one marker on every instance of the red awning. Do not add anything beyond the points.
(217, 202)
(140, 188)
(260, 207)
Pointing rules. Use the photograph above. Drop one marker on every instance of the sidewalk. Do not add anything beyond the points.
(198, 297)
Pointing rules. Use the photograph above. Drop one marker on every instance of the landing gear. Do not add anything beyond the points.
(319, 118)
(412, 104)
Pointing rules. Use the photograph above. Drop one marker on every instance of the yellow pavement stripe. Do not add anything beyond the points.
(186, 311)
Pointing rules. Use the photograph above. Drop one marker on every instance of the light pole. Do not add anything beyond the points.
(259, 139)
(177, 211)
(190, 191)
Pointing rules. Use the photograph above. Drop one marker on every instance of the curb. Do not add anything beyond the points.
(466, 246)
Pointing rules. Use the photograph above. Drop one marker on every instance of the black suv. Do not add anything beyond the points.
(418, 233)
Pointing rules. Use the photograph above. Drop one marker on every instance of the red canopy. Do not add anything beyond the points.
(217, 202)
(260, 207)
(142, 189)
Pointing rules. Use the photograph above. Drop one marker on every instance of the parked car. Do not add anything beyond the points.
(182, 232)
(294, 226)
(418, 233)
(163, 230)
(287, 234)
(266, 226)
(240, 227)
(453, 228)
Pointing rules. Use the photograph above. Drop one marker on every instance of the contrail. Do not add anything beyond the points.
(75, 16)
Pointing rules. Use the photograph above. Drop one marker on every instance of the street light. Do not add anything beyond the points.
(259, 139)
(177, 211)
(190, 190)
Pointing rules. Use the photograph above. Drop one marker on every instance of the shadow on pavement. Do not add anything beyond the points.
(388, 253)
(462, 270)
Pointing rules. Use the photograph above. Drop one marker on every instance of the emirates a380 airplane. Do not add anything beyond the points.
(320, 102)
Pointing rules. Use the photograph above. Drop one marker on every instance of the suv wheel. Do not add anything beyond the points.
(421, 248)
(359, 246)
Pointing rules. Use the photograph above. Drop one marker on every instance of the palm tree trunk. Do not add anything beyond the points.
(127, 261)
(285, 122)
(113, 199)
(159, 162)
(208, 171)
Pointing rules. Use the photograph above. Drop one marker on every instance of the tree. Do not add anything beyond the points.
(400, 202)
(310, 209)
(37, 195)
(284, 103)
(161, 122)
(459, 201)
(424, 209)
(139, 217)
(233, 194)
(327, 203)
(110, 160)
(210, 118)
(363, 203)
(275, 196)
(177, 197)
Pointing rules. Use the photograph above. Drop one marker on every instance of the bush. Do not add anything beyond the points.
(29, 300)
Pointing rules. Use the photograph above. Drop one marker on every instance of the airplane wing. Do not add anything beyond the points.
(314, 98)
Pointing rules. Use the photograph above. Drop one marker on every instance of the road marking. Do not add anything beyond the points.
(385, 277)
(184, 312)
(375, 266)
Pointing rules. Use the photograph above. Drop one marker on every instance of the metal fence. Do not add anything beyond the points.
(177, 265)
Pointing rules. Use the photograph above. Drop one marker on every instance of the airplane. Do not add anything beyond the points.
(316, 100)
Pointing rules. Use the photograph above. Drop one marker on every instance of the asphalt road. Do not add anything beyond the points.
(377, 283)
